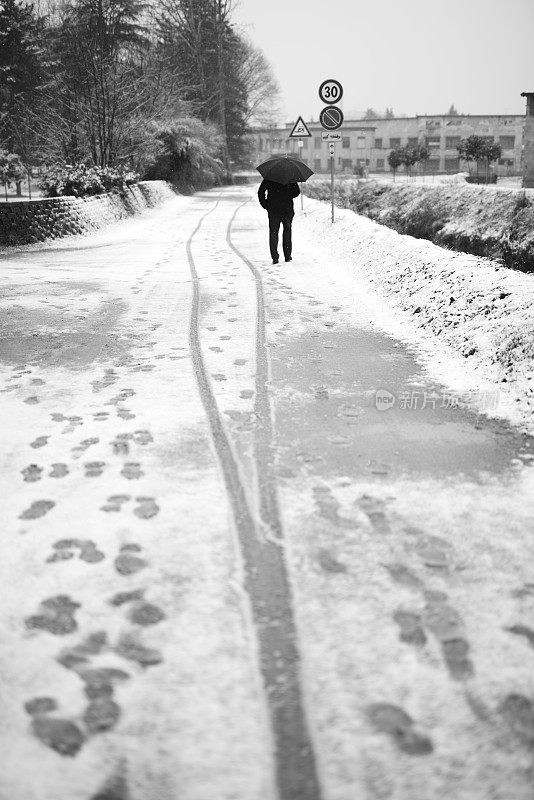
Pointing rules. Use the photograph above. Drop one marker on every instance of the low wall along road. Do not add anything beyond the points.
(54, 217)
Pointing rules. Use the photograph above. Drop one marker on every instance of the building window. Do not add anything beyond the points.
(452, 165)
(345, 142)
(347, 163)
(393, 143)
(451, 142)
(432, 165)
(317, 142)
(413, 141)
(380, 163)
(316, 164)
(360, 142)
(489, 139)
(260, 144)
(433, 141)
(378, 144)
(507, 142)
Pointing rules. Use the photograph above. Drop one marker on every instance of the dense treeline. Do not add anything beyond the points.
(164, 89)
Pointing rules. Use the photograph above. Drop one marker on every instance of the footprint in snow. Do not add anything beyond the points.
(56, 615)
(94, 469)
(132, 470)
(147, 508)
(37, 509)
(32, 473)
(395, 722)
(125, 413)
(127, 563)
(143, 437)
(65, 549)
(115, 502)
(84, 444)
(59, 471)
(41, 441)
(61, 735)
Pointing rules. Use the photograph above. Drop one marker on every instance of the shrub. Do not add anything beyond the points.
(468, 219)
(79, 180)
(187, 155)
(12, 169)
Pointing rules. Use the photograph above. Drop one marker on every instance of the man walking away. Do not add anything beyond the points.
(277, 198)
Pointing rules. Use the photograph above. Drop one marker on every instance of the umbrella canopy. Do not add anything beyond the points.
(284, 169)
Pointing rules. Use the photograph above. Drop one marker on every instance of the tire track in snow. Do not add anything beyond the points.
(271, 590)
(266, 578)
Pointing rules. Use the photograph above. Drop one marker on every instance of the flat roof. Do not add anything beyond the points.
(358, 122)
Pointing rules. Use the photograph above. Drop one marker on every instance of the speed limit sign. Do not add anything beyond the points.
(330, 91)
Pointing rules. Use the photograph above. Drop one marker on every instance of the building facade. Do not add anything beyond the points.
(528, 142)
(367, 143)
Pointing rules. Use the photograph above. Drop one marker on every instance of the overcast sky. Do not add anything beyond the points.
(417, 56)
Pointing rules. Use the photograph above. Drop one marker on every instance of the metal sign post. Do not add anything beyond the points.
(300, 129)
(301, 145)
(331, 118)
(332, 148)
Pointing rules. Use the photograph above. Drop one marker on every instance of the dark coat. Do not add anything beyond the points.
(278, 198)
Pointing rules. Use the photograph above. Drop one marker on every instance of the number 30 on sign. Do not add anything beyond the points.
(330, 91)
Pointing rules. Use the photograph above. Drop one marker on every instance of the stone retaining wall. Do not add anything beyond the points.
(51, 218)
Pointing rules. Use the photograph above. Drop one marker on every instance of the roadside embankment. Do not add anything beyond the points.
(467, 218)
(482, 311)
(51, 218)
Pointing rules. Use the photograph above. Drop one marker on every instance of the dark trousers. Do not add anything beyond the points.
(275, 218)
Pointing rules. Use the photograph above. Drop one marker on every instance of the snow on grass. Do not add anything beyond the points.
(468, 218)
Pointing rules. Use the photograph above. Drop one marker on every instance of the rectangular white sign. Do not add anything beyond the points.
(331, 137)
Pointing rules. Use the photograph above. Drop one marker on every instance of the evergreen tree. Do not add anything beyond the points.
(395, 159)
(224, 79)
(22, 65)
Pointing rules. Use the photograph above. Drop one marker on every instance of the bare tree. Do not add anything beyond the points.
(262, 90)
(111, 81)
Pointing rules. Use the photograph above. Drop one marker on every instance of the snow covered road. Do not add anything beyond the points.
(231, 567)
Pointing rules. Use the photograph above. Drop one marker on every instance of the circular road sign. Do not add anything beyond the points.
(330, 91)
(331, 118)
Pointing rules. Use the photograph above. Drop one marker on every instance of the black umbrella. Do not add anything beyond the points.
(284, 169)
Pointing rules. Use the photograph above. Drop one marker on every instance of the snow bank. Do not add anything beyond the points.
(468, 218)
(483, 311)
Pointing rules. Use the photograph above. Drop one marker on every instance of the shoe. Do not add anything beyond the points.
(275, 261)
(289, 259)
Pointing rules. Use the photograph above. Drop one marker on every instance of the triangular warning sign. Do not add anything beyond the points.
(300, 129)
